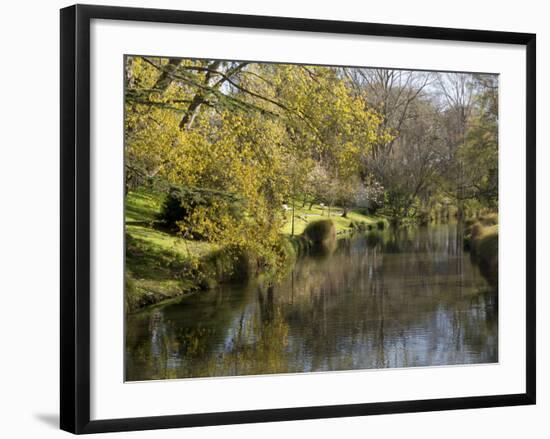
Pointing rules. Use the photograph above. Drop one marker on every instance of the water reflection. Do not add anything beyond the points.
(399, 298)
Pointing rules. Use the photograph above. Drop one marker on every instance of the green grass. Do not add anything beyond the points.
(168, 242)
(152, 273)
(158, 262)
(155, 259)
(142, 206)
(303, 216)
(141, 212)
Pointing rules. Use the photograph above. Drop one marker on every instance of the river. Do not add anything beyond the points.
(393, 298)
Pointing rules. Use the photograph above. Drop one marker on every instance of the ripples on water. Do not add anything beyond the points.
(400, 298)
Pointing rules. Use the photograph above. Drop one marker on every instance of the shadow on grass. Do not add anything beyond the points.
(149, 261)
(142, 207)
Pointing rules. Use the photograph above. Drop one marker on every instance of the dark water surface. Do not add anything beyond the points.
(387, 299)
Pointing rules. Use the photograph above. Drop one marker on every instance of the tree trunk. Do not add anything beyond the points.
(193, 109)
(292, 231)
(166, 78)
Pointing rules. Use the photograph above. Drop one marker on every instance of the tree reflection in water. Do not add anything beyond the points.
(398, 298)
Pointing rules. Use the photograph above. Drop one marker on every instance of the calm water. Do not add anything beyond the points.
(388, 299)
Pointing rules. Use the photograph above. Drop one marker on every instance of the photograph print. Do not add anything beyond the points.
(291, 218)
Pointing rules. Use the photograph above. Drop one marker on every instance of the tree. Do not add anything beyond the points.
(275, 133)
(480, 151)
(391, 93)
(408, 170)
(469, 106)
(457, 93)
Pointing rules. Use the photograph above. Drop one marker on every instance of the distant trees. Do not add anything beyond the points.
(443, 144)
(405, 164)
(470, 116)
(391, 92)
(480, 152)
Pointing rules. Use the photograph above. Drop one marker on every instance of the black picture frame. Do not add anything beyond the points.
(75, 217)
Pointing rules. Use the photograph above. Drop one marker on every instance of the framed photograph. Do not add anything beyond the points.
(268, 218)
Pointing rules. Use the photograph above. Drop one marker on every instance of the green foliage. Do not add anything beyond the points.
(215, 149)
(199, 213)
(321, 235)
(359, 226)
(156, 261)
(162, 265)
(400, 205)
(481, 238)
(485, 250)
(479, 153)
(489, 219)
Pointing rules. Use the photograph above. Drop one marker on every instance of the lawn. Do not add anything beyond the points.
(157, 259)
(303, 216)
(143, 206)
(141, 212)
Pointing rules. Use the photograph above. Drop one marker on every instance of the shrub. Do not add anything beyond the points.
(481, 238)
(475, 230)
(320, 231)
(359, 226)
(489, 220)
(130, 293)
(486, 250)
(230, 264)
(182, 203)
(300, 245)
(380, 224)
(424, 218)
(470, 222)
(472, 230)
(321, 235)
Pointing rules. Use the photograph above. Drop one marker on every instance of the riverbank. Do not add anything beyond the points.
(161, 265)
(481, 238)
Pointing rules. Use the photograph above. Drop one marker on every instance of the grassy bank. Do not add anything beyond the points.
(304, 216)
(161, 265)
(155, 259)
(481, 238)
